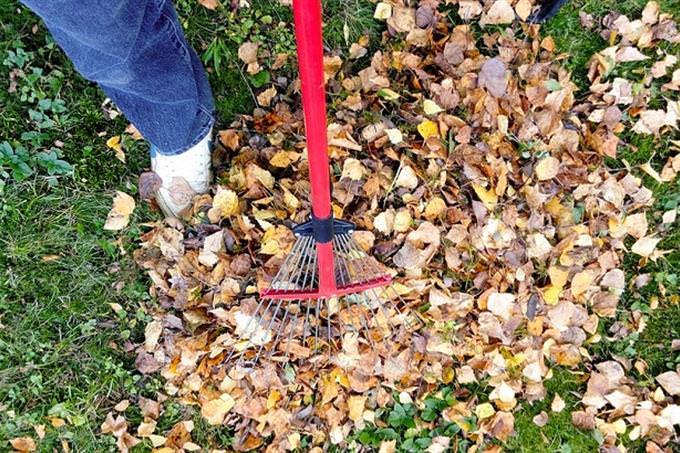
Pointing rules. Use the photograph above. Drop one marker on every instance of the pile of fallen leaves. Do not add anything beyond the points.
(475, 171)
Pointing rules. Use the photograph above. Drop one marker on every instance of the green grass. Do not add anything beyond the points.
(558, 435)
(61, 344)
(57, 356)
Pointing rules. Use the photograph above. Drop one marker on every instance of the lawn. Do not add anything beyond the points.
(72, 301)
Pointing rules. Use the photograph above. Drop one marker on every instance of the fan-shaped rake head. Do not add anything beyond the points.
(322, 291)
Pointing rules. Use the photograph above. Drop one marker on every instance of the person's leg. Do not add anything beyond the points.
(136, 51)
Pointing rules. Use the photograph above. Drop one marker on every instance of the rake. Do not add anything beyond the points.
(328, 286)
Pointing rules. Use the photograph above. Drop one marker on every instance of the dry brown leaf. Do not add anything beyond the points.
(210, 4)
(247, 52)
(500, 13)
(547, 168)
(493, 75)
(119, 216)
(23, 444)
(215, 410)
(670, 381)
(645, 246)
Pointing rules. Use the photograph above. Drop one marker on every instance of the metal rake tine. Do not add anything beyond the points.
(353, 247)
(364, 323)
(401, 299)
(278, 331)
(304, 325)
(282, 269)
(250, 321)
(300, 256)
(383, 309)
(306, 263)
(388, 286)
(316, 331)
(362, 319)
(271, 322)
(328, 324)
(339, 261)
(293, 267)
(347, 274)
(290, 336)
(377, 296)
(312, 260)
(297, 247)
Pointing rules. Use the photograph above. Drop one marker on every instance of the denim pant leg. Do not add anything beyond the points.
(136, 51)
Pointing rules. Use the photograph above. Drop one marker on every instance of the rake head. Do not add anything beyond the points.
(327, 286)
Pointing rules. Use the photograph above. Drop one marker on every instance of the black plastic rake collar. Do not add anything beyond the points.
(323, 230)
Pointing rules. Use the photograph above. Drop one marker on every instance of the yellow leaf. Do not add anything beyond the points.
(647, 168)
(210, 4)
(294, 440)
(282, 159)
(190, 446)
(406, 178)
(581, 282)
(119, 216)
(274, 241)
(113, 141)
(152, 333)
(23, 444)
(156, 440)
(435, 208)
(272, 399)
(431, 108)
(225, 204)
(388, 94)
(488, 197)
(383, 11)
(523, 9)
(557, 404)
(292, 202)
(145, 429)
(356, 405)
(558, 276)
(402, 221)
(551, 295)
(427, 129)
(265, 98)
(619, 426)
(384, 222)
(484, 410)
(257, 174)
(515, 360)
(115, 144)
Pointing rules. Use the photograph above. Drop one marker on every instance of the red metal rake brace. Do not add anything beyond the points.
(326, 272)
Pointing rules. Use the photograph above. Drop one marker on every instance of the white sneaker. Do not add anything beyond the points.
(183, 175)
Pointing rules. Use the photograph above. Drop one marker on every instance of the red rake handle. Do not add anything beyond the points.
(307, 14)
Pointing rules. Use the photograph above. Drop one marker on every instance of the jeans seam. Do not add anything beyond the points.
(175, 36)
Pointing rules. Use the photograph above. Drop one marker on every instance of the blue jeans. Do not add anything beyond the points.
(136, 51)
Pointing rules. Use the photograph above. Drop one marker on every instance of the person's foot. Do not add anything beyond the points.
(183, 176)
